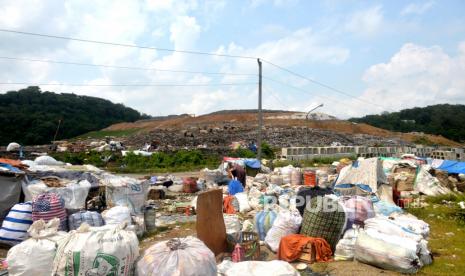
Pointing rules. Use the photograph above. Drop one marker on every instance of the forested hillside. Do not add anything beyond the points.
(29, 116)
(442, 119)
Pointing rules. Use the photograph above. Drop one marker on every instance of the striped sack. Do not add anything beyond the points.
(14, 227)
(47, 206)
(89, 217)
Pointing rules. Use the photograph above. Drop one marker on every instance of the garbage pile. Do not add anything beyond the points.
(62, 219)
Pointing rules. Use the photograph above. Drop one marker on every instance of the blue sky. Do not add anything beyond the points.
(387, 54)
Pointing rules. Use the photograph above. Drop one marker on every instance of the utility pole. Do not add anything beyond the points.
(260, 115)
(307, 117)
(56, 132)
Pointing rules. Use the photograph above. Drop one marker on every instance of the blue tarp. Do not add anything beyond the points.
(10, 168)
(252, 163)
(452, 166)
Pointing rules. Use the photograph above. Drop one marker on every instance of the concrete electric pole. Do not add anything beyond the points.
(260, 115)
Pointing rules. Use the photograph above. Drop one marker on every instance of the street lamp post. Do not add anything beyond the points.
(307, 118)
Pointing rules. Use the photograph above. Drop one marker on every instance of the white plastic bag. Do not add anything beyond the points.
(181, 257)
(117, 215)
(257, 268)
(97, 251)
(345, 248)
(285, 224)
(35, 255)
(254, 198)
(243, 202)
(47, 161)
(232, 223)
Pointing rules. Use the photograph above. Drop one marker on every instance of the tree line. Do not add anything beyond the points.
(441, 119)
(31, 117)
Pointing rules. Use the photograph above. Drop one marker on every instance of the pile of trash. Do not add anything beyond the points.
(81, 220)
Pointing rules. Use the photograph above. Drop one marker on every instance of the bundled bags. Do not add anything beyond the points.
(386, 255)
(47, 206)
(100, 251)
(287, 222)
(92, 218)
(263, 222)
(35, 255)
(181, 257)
(17, 222)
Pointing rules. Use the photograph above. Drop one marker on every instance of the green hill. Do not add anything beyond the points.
(442, 119)
(31, 117)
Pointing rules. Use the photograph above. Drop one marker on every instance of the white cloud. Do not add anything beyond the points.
(276, 3)
(414, 76)
(417, 8)
(365, 22)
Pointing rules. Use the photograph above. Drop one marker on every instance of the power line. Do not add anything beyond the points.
(309, 93)
(322, 84)
(129, 85)
(122, 67)
(303, 90)
(124, 45)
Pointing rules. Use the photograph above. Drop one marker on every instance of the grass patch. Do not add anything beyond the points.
(310, 162)
(100, 134)
(447, 235)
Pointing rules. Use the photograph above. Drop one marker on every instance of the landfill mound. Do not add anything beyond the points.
(221, 129)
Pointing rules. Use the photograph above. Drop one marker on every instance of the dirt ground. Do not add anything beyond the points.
(331, 268)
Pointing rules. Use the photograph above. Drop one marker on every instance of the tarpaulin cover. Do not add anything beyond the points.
(452, 166)
(10, 168)
(249, 162)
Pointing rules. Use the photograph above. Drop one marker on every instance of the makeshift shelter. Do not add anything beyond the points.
(10, 183)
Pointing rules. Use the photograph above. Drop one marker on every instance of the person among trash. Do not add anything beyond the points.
(235, 171)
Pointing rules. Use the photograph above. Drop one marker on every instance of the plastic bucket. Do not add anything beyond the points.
(310, 178)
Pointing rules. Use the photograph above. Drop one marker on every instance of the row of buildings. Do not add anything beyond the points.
(301, 153)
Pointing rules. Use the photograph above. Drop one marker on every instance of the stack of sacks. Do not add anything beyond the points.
(287, 222)
(396, 244)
